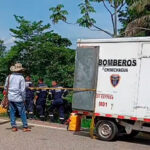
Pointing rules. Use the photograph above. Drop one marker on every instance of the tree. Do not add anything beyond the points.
(2, 55)
(86, 9)
(136, 18)
(41, 51)
(2, 49)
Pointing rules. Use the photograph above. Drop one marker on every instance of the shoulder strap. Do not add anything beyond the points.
(8, 84)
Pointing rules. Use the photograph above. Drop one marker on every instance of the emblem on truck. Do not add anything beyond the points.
(115, 79)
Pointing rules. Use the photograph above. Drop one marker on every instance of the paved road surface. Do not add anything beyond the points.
(47, 138)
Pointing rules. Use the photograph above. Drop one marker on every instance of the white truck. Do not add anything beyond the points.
(119, 70)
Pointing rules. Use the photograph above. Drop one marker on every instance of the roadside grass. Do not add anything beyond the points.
(3, 114)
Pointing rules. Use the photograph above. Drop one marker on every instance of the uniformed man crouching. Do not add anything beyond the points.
(40, 99)
(29, 103)
(57, 101)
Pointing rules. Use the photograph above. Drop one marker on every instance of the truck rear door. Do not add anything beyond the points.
(86, 68)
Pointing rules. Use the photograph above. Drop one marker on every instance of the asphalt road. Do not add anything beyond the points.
(47, 138)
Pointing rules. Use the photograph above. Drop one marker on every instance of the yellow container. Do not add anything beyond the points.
(75, 122)
(2, 110)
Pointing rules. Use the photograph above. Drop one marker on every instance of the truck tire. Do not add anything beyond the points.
(106, 130)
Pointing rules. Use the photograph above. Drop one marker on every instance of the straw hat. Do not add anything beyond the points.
(17, 67)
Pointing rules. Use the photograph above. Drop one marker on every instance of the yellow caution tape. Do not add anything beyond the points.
(69, 89)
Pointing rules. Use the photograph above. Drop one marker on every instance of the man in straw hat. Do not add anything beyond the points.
(16, 96)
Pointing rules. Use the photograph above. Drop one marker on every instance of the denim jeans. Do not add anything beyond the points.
(20, 107)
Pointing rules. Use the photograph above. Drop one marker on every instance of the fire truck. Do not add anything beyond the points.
(119, 71)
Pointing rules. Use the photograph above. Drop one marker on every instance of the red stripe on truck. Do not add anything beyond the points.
(133, 118)
(97, 114)
(76, 112)
(108, 115)
(86, 113)
(82, 112)
(121, 117)
(147, 120)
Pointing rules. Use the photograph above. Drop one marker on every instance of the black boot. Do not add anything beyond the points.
(30, 116)
(42, 118)
(62, 120)
(51, 117)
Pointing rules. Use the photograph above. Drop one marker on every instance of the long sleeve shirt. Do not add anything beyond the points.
(29, 92)
(16, 91)
(58, 93)
(42, 94)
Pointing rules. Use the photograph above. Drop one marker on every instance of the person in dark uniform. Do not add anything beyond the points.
(57, 101)
(29, 103)
(40, 98)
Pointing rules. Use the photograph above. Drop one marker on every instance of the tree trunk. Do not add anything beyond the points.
(115, 21)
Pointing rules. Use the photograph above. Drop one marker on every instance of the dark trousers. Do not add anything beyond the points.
(29, 105)
(40, 108)
(58, 103)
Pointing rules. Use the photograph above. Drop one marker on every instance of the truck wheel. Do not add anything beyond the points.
(106, 130)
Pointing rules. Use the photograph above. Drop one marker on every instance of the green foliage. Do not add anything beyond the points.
(2, 49)
(2, 61)
(1, 96)
(69, 97)
(86, 9)
(140, 5)
(58, 14)
(135, 19)
(41, 51)
(112, 2)
(86, 20)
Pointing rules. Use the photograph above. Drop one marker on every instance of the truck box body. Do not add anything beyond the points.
(119, 70)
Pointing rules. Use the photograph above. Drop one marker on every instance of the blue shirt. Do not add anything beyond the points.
(29, 92)
(58, 94)
(42, 94)
(16, 91)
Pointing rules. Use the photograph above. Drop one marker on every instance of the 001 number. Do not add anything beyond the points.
(103, 104)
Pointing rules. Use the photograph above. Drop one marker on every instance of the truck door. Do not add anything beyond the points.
(143, 104)
(86, 68)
